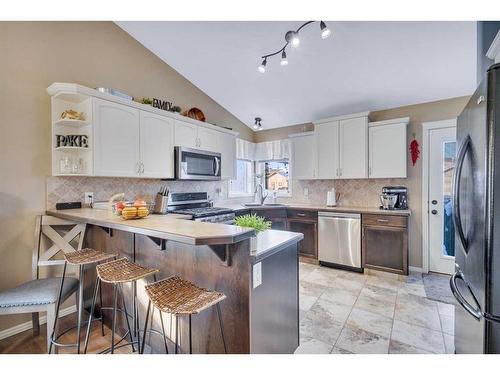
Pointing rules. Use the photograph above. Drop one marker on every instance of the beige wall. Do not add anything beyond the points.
(32, 56)
(280, 133)
(418, 113)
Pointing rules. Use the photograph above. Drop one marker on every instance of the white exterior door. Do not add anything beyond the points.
(388, 151)
(327, 143)
(304, 167)
(207, 139)
(353, 139)
(157, 146)
(226, 145)
(442, 156)
(186, 134)
(116, 139)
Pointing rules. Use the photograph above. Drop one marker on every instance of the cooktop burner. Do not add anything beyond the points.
(203, 211)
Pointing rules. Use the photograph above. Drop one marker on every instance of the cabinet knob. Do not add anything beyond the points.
(434, 212)
(434, 202)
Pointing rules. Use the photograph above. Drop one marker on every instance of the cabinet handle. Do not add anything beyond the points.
(382, 220)
(138, 167)
(301, 215)
(142, 167)
(369, 171)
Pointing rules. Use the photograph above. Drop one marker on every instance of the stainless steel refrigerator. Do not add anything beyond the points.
(476, 214)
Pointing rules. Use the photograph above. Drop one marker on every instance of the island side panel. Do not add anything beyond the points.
(200, 265)
(275, 304)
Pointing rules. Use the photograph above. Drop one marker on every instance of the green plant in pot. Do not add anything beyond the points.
(257, 223)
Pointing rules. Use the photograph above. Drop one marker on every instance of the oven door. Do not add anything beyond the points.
(193, 164)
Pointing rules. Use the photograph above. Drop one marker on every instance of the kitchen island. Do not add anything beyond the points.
(260, 313)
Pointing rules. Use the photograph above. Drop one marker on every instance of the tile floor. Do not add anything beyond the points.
(347, 312)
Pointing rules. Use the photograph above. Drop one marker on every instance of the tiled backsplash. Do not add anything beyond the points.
(72, 189)
(362, 192)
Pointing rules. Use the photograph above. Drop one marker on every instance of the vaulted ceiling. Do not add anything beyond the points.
(362, 66)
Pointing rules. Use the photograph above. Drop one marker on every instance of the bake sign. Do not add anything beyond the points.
(162, 104)
(80, 140)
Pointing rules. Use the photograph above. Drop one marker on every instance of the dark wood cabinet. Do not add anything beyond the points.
(305, 222)
(385, 243)
(277, 216)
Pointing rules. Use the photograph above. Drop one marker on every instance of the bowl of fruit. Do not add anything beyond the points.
(131, 210)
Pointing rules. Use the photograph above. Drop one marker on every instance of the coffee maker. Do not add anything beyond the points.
(398, 198)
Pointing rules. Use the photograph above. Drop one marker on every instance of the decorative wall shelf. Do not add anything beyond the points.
(68, 122)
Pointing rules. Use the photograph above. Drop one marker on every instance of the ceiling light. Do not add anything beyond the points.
(284, 61)
(325, 31)
(292, 37)
(257, 125)
(262, 67)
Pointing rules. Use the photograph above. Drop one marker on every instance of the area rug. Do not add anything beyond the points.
(437, 288)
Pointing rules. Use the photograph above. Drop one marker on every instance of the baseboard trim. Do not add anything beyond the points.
(415, 269)
(29, 325)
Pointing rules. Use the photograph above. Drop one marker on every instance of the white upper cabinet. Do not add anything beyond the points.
(116, 139)
(186, 134)
(156, 146)
(327, 144)
(304, 156)
(353, 139)
(194, 136)
(388, 148)
(226, 145)
(207, 139)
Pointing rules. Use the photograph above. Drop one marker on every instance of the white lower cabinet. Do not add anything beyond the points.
(388, 148)
(116, 139)
(156, 146)
(353, 141)
(226, 145)
(304, 156)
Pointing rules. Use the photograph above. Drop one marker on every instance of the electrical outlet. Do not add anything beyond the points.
(89, 198)
(306, 192)
(257, 274)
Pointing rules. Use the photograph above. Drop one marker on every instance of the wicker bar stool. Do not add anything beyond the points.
(118, 272)
(177, 296)
(79, 258)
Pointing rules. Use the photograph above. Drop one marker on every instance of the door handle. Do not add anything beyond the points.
(474, 311)
(456, 191)
(434, 212)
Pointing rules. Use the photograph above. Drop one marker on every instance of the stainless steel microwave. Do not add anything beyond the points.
(194, 164)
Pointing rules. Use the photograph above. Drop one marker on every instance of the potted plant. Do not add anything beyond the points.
(257, 223)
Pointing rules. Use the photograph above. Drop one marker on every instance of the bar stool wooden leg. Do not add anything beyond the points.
(57, 308)
(128, 322)
(89, 326)
(141, 350)
(163, 331)
(221, 327)
(113, 328)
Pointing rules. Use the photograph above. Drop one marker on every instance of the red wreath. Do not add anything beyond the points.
(414, 151)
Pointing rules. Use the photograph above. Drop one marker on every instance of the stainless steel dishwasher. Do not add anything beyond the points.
(339, 240)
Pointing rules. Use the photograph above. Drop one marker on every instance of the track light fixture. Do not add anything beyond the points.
(257, 125)
(284, 60)
(292, 38)
(262, 67)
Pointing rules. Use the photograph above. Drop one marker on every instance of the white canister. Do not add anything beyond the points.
(331, 198)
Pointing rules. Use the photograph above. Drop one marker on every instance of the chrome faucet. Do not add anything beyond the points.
(259, 190)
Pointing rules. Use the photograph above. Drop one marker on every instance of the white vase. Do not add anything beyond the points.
(253, 244)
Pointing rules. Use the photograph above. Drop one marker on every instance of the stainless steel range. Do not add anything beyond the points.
(199, 207)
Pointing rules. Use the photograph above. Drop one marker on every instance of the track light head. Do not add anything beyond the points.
(262, 67)
(292, 37)
(284, 61)
(257, 125)
(325, 31)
